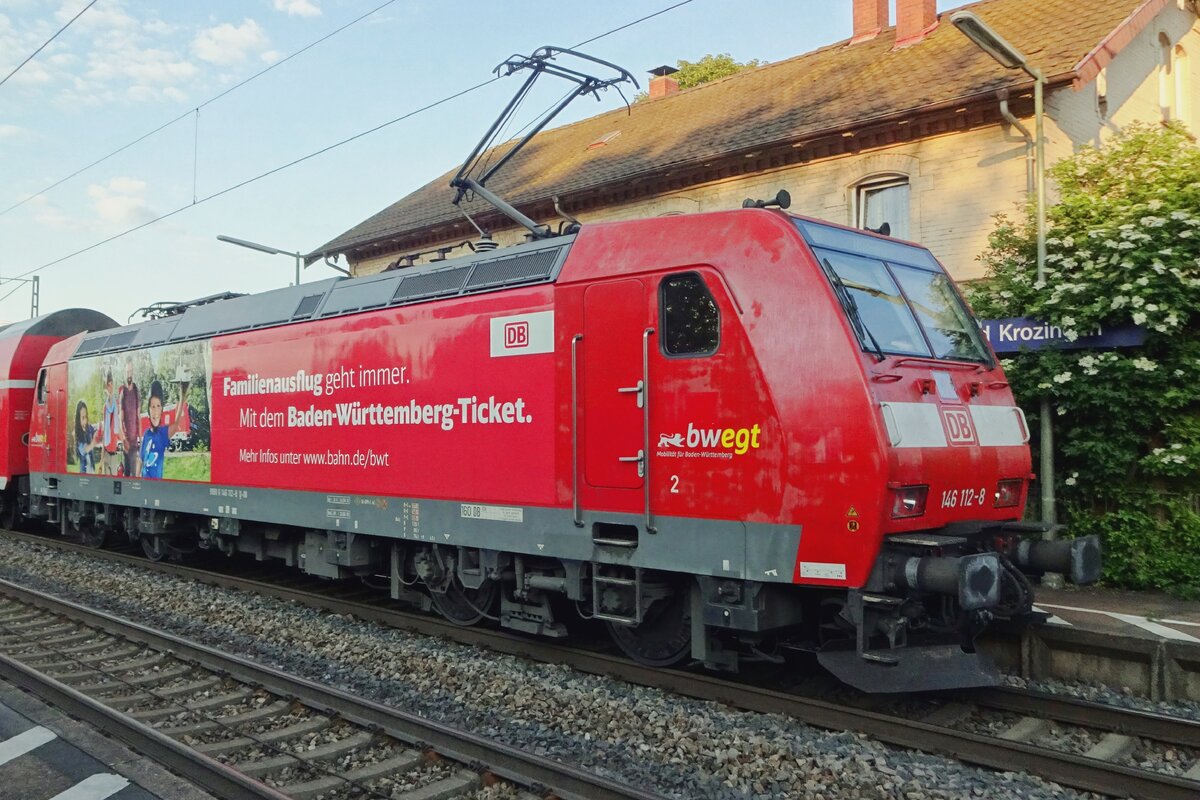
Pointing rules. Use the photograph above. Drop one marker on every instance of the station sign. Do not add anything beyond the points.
(1014, 334)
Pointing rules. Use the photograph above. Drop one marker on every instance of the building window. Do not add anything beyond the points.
(1183, 89)
(880, 201)
(691, 321)
(1102, 95)
(1166, 79)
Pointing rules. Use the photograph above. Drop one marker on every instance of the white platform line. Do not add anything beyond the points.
(1154, 627)
(1157, 628)
(1052, 619)
(97, 787)
(22, 743)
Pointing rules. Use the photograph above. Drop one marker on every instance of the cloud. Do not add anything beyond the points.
(224, 44)
(12, 131)
(121, 201)
(298, 8)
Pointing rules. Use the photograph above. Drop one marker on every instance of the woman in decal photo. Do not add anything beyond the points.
(85, 436)
(157, 437)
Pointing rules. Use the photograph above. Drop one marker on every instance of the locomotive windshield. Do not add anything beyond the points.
(897, 297)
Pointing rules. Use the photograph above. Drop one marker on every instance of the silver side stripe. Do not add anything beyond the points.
(22, 743)
(17, 384)
(96, 787)
(920, 425)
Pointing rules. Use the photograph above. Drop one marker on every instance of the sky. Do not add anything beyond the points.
(126, 68)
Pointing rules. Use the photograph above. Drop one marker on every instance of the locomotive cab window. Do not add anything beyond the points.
(691, 321)
(41, 388)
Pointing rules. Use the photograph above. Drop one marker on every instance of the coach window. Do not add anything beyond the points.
(883, 200)
(41, 388)
(691, 321)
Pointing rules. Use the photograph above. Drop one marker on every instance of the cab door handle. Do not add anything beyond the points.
(639, 390)
(639, 459)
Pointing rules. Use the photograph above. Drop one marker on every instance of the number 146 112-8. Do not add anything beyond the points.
(962, 498)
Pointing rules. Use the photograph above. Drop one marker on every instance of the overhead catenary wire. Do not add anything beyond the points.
(314, 154)
(46, 43)
(196, 109)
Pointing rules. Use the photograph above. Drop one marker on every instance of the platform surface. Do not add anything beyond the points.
(1143, 614)
(45, 755)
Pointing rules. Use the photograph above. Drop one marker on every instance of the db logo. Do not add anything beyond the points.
(957, 422)
(516, 334)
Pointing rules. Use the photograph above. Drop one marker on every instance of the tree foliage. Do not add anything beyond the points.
(1123, 247)
(710, 68)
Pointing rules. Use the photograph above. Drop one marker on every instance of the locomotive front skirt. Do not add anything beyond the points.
(725, 435)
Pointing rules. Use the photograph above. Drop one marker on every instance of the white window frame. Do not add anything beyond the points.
(875, 183)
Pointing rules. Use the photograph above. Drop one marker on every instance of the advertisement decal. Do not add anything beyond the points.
(142, 413)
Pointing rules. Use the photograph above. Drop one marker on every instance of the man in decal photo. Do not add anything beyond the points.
(130, 403)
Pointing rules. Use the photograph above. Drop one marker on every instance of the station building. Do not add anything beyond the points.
(906, 122)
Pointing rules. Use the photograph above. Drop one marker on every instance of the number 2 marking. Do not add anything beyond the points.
(674, 484)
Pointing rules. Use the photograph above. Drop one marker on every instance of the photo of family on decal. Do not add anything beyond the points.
(142, 413)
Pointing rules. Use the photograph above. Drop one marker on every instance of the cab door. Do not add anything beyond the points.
(39, 425)
(615, 319)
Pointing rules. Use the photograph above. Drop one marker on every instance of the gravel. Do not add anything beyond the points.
(1122, 696)
(647, 737)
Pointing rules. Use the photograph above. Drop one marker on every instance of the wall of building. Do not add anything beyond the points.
(957, 182)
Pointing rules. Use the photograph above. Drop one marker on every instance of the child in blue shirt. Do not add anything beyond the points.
(158, 437)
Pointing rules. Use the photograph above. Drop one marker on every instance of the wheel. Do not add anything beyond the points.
(10, 511)
(664, 636)
(464, 606)
(94, 536)
(155, 547)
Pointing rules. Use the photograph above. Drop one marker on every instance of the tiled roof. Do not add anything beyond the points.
(836, 87)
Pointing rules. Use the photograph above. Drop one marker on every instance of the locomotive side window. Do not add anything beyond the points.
(691, 321)
(41, 388)
(877, 310)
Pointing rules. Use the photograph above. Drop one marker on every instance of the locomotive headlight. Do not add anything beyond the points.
(1008, 493)
(909, 501)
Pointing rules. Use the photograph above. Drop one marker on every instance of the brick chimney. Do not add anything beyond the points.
(870, 17)
(915, 19)
(662, 84)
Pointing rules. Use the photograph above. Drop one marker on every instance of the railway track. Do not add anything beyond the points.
(1077, 743)
(249, 732)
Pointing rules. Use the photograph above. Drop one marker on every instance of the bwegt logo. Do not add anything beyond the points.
(739, 440)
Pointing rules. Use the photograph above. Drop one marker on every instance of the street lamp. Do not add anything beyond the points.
(262, 248)
(1010, 57)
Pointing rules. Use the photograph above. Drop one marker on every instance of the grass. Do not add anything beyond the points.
(188, 467)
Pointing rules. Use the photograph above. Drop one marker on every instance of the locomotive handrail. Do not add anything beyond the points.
(893, 428)
(646, 334)
(1024, 424)
(575, 430)
(938, 362)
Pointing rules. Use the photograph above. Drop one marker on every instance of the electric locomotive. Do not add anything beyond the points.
(722, 434)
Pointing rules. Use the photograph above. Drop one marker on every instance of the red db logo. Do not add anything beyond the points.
(957, 423)
(516, 334)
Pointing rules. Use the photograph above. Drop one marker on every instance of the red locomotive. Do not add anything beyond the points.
(720, 433)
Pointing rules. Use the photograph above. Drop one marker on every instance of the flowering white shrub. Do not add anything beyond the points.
(1122, 248)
